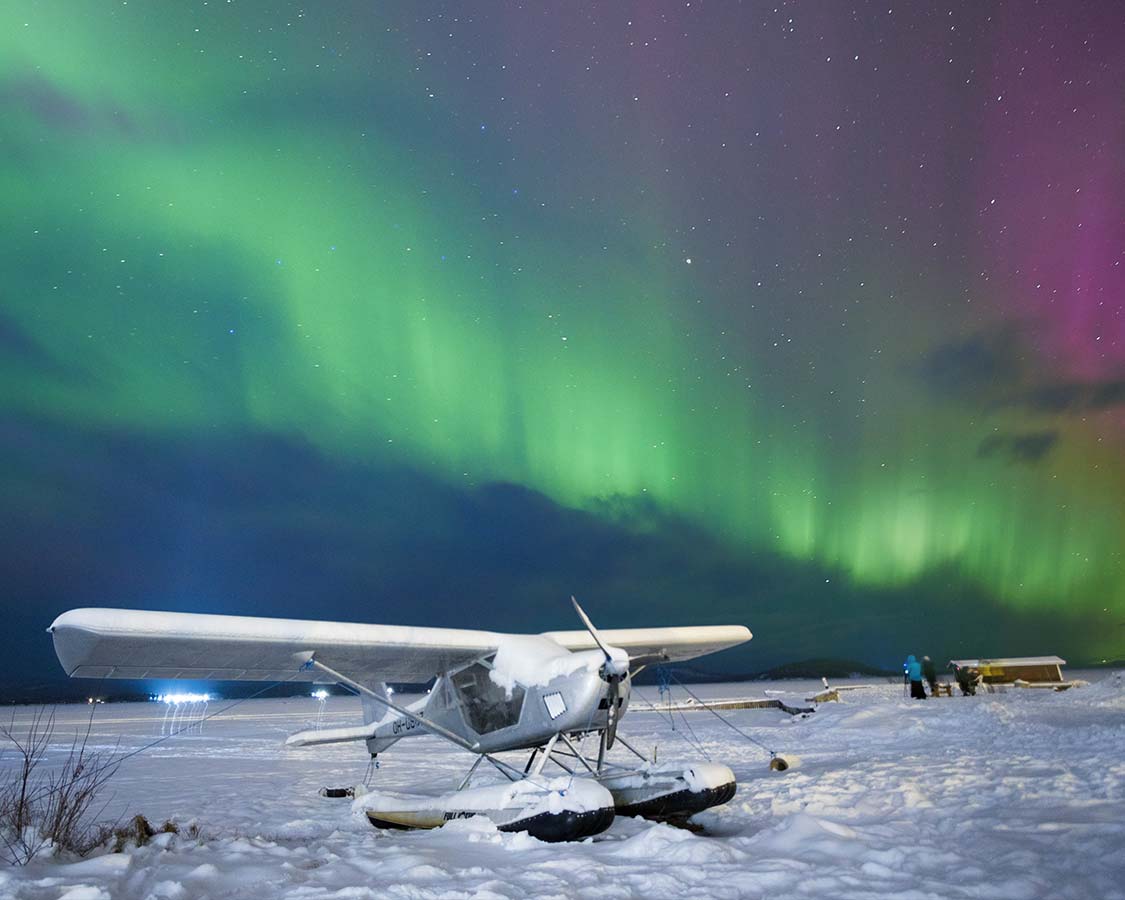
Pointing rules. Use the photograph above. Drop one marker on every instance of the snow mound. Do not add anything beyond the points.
(539, 795)
(85, 892)
(810, 837)
(708, 775)
(110, 865)
(674, 846)
(1109, 692)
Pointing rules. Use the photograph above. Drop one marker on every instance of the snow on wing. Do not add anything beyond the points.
(656, 645)
(123, 643)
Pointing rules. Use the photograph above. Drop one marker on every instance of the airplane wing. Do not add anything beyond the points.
(658, 645)
(127, 643)
(123, 643)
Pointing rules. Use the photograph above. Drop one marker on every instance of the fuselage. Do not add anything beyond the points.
(492, 716)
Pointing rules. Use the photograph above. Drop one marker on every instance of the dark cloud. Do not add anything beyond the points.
(1029, 448)
(265, 524)
(1070, 397)
(15, 343)
(22, 354)
(981, 367)
(35, 95)
(989, 369)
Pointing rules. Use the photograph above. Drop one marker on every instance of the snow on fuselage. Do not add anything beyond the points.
(505, 702)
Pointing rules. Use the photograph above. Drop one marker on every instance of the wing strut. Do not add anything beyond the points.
(401, 710)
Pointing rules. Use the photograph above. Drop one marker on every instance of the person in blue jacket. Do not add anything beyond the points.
(913, 672)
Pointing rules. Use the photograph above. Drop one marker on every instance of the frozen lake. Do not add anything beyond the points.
(1014, 795)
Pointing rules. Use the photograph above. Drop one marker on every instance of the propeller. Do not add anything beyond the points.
(612, 673)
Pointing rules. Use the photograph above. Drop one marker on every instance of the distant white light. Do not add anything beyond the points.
(176, 699)
(321, 694)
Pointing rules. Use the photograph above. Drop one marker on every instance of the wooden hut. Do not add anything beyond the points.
(1024, 671)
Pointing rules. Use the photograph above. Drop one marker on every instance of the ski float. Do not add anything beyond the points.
(670, 792)
(561, 809)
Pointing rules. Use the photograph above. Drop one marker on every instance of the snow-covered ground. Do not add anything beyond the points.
(1002, 796)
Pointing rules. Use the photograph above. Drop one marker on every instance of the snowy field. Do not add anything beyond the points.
(1002, 796)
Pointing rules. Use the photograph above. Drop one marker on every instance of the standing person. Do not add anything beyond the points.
(929, 672)
(967, 679)
(913, 670)
(961, 673)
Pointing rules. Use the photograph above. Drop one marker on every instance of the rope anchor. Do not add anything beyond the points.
(778, 763)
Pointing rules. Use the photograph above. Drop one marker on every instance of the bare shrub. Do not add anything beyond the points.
(50, 805)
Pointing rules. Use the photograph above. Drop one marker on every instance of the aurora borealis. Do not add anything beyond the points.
(800, 315)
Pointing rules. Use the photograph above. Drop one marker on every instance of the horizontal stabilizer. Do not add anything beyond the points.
(331, 736)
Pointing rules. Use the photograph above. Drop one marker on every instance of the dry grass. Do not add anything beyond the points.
(46, 803)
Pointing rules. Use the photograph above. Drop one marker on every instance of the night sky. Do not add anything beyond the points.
(806, 316)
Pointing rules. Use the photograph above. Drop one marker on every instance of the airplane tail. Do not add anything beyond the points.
(385, 725)
(374, 712)
(375, 716)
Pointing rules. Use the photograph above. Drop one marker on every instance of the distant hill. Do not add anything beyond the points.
(139, 691)
(826, 668)
(807, 668)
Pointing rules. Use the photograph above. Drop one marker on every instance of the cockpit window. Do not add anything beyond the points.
(486, 705)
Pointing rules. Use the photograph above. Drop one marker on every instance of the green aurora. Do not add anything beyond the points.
(215, 223)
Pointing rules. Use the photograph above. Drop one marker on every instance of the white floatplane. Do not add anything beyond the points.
(491, 692)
